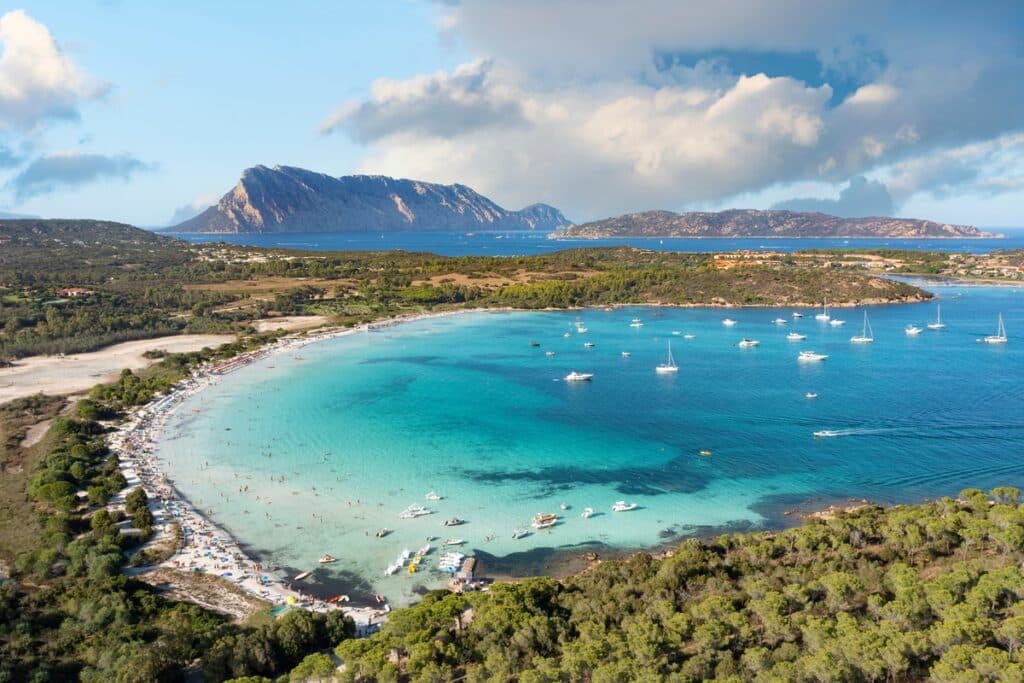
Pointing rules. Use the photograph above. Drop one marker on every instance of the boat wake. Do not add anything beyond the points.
(827, 433)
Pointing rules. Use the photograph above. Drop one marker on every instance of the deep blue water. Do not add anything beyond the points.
(526, 243)
(361, 426)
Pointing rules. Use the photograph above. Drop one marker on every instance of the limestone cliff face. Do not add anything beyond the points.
(754, 223)
(286, 199)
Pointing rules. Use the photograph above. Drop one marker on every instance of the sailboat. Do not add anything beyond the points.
(824, 312)
(1000, 336)
(938, 324)
(669, 366)
(866, 336)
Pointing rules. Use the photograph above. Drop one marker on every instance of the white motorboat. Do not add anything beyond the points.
(433, 496)
(689, 336)
(520, 532)
(588, 345)
(912, 330)
(810, 356)
(728, 322)
(544, 520)
(938, 324)
(626, 354)
(748, 343)
(636, 322)
(623, 506)
(676, 333)
(669, 366)
(810, 394)
(425, 550)
(454, 521)
(796, 336)
(837, 323)
(391, 569)
(413, 511)
(866, 336)
(549, 354)
(587, 513)
(797, 314)
(1000, 336)
(453, 542)
(824, 433)
(579, 376)
(567, 335)
(780, 321)
(824, 312)
(581, 330)
(327, 559)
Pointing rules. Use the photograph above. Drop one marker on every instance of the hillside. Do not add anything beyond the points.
(755, 223)
(287, 199)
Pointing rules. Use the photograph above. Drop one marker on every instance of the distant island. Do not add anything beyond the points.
(288, 199)
(758, 223)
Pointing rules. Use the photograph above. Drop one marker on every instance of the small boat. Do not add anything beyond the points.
(327, 559)
(626, 354)
(422, 552)
(1000, 336)
(567, 335)
(534, 343)
(433, 496)
(588, 345)
(866, 336)
(336, 599)
(837, 323)
(636, 322)
(824, 433)
(391, 569)
(796, 336)
(810, 356)
(676, 333)
(549, 354)
(453, 542)
(581, 330)
(938, 324)
(780, 321)
(587, 513)
(706, 453)
(544, 520)
(748, 343)
(912, 330)
(414, 511)
(564, 506)
(689, 336)
(303, 575)
(623, 506)
(520, 532)
(669, 366)
(824, 312)
(810, 394)
(728, 322)
(454, 521)
(797, 314)
(579, 376)
(381, 533)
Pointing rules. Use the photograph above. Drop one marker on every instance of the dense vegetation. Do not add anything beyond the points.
(144, 285)
(930, 591)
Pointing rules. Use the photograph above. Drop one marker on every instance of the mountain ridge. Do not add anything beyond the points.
(764, 223)
(291, 199)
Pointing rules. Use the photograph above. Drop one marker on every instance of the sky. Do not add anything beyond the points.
(148, 112)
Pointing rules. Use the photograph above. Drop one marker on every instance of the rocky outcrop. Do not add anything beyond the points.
(287, 199)
(754, 223)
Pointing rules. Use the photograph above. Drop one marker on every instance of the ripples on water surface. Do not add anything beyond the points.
(362, 426)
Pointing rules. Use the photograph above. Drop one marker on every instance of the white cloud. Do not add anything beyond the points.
(873, 94)
(70, 169)
(37, 81)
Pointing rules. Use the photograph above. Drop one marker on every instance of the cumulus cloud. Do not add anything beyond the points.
(72, 169)
(988, 168)
(861, 197)
(38, 82)
(602, 107)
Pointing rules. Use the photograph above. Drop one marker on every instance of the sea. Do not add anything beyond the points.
(527, 243)
(314, 450)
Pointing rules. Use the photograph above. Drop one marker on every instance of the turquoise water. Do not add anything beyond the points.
(360, 427)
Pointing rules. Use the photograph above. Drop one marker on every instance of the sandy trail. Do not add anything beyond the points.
(79, 372)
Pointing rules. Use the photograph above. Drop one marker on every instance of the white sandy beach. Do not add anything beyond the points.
(60, 375)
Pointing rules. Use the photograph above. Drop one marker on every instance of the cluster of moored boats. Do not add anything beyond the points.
(866, 336)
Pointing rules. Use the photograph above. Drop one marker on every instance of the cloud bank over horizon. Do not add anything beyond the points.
(600, 108)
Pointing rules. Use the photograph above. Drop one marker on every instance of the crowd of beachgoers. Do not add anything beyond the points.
(204, 547)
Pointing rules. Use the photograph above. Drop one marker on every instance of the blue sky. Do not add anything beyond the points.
(136, 111)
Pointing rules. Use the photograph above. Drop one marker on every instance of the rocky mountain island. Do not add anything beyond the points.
(288, 199)
(768, 223)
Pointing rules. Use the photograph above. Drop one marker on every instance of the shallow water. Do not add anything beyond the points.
(361, 426)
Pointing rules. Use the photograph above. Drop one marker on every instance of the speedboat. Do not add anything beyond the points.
(544, 520)
(676, 333)
(580, 329)
(688, 336)
(636, 322)
(454, 521)
(780, 321)
(810, 356)
(837, 323)
(579, 376)
(796, 336)
(534, 343)
(382, 532)
(623, 506)
(587, 512)
(705, 453)
(912, 330)
(520, 532)
(748, 343)
(797, 314)
(567, 335)
(433, 496)
(549, 354)
(728, 322)
(327, 559)
(626, 354)
(453, 541)
(414, 511)
(826, 433)
(588, 345)
(810, 394)
(564, 506)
